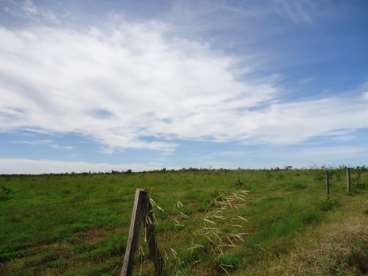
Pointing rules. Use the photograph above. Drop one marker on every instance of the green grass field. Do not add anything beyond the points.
(78, 224)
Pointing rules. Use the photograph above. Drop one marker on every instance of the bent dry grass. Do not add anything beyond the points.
(209, 233)
(78, 224)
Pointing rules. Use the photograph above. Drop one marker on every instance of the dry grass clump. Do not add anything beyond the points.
(219, 229)
(222, 227)
(212, 225)
(343, 250)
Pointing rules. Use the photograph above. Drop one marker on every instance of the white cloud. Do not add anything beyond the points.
(47, 142)
(27, 9)
(139, 80)
(30, 166)
(30, 8)
(295, 122)
(61, 80)
(297, 11)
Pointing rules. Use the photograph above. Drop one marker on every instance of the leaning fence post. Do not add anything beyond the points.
(328, 184)
(348, 180)
(138, 216)
(142, 213)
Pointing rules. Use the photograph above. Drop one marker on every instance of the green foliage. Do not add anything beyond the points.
(78, 224)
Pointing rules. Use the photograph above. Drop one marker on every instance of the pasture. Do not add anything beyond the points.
(77, 224)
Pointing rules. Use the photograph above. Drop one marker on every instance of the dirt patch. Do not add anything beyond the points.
(93, 236)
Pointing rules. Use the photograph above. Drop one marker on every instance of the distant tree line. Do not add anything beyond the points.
(192, 169)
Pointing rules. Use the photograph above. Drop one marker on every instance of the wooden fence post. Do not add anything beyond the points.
(154, 252)
(142, 213)
(138, 215)
(348, 180)
(328, 184)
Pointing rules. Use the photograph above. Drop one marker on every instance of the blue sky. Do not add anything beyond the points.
(101, 85)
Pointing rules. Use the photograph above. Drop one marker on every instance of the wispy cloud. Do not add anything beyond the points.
(138, 85)
(32, 142)
(133, 82)
(47, 142)
(58, 80)
(27, 9)
(297, 11)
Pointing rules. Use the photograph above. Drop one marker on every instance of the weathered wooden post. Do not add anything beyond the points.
(142, 213)
(328, 184)
(348, 180)
(138, 215)
(154, 252)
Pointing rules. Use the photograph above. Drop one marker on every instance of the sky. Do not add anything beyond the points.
(114, 85)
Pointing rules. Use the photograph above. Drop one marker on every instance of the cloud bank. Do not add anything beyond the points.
(138, 86)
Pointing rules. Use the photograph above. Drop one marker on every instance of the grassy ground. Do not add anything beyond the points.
(78, 224)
